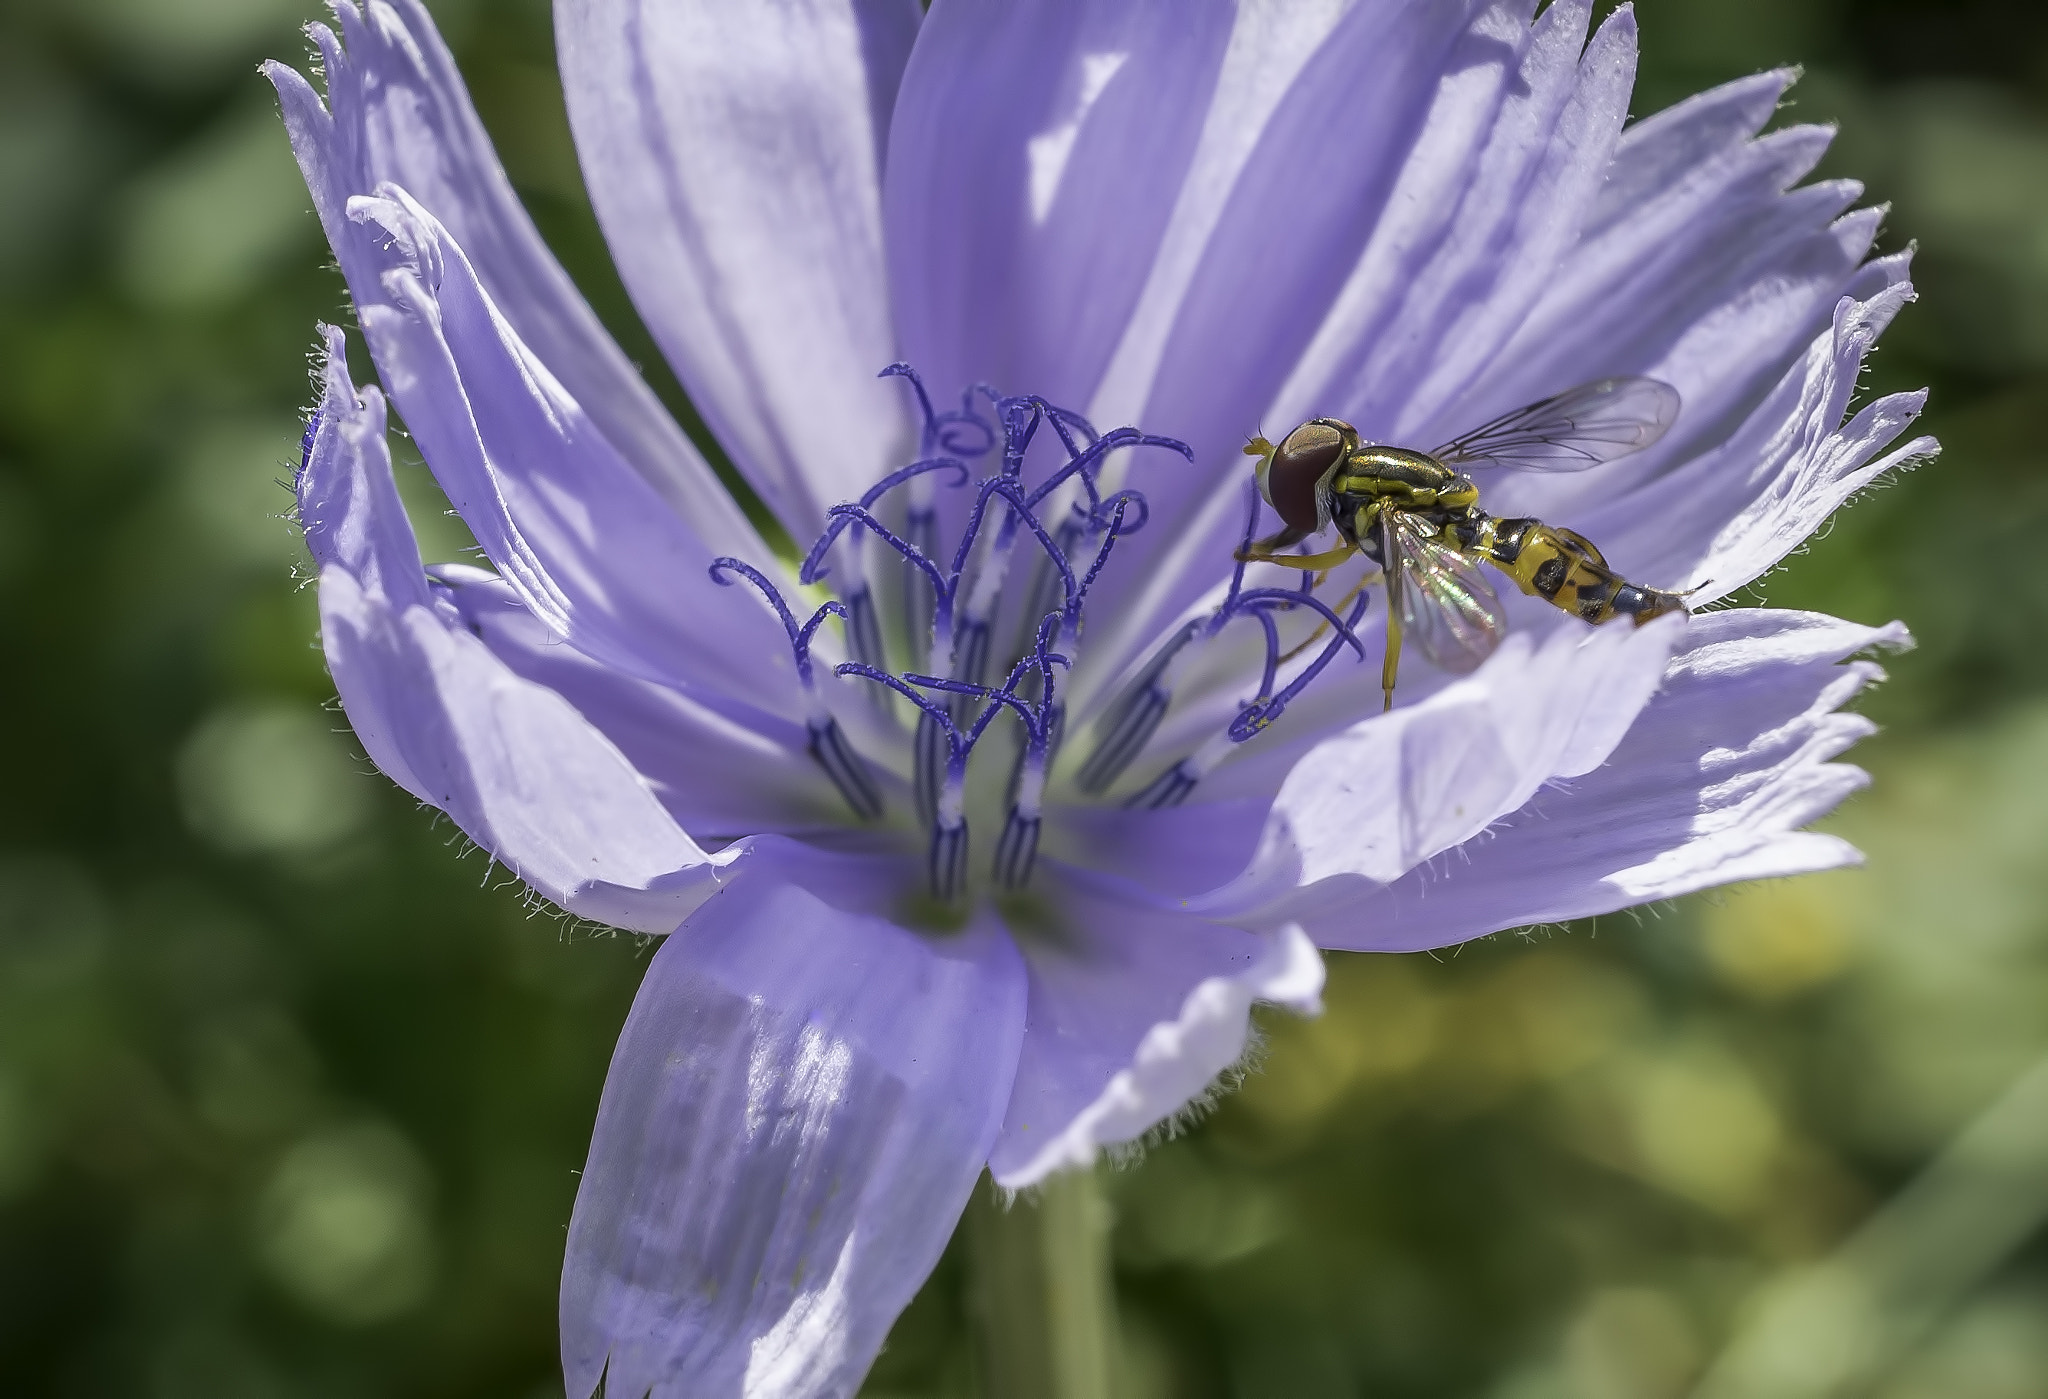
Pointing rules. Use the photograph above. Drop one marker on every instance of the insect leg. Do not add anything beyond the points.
(1305, 562)
(1286, 538)
(1356, 588)
(1391, 666)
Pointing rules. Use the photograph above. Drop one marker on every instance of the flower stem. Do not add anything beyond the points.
(1041, 1290)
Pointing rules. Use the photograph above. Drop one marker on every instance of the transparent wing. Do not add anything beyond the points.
(1579, 428)
(1447, 606)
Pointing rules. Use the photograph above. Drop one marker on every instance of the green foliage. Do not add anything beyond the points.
(292, 1090)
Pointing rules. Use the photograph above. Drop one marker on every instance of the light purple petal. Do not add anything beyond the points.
(1271, 44)
(1714, 523)
(593, 548)
(1709, 274)
(799, 1105)
(401, 114)
(718, 779)
(1368, 152)
(1731, 514)
(1301, 202)
(585, 541)
(1664, 151)
(1403, 340)
(348, 500)
(1701, 264)
(1036, 155)
(1168, 852)
(1134, 1011)
(733, 153)
(1711, 786)
(518, 770)
(1390, 792)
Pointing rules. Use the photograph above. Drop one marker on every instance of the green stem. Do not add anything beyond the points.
(1041, 1290)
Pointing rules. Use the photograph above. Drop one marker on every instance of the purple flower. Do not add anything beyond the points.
(976, 829)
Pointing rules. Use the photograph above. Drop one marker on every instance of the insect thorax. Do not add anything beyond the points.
(1399, 479)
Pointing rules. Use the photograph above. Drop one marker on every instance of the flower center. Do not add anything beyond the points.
(957, 617)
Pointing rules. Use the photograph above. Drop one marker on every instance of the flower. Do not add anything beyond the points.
(975, 832)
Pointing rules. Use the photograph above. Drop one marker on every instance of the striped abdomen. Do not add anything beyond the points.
(1564, 569)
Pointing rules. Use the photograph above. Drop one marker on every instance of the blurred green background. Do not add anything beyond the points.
(292, 1091)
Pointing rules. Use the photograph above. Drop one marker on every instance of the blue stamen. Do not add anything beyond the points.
(1264, 617)
(1134, 716)
(903, 686)
(1017, 849)
(827, 743)
(1086, 463)
(961, 432)
(920, 603)
(1021, 418)
(799, 637)
(947, 857)
(838, 518)
(814, 569)
(1260, 714)
(958, 603)
(902, 370)
(1262, 599)
(1112, 529)
(828, 746)
(1170, 788)
(864, 627)
(1137, 714)
(946, 864)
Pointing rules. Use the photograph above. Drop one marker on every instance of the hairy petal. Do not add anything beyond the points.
(1691, 257)
(1134, 1010)
(1666, 149)
(348, 501)
(1701, 264)
(517, 769)
(589, 547)
(1730, 515)
(400, 114)
(734, 154)
(1391, 791)
(800, 1103)
(1711, 786)
(533, 475)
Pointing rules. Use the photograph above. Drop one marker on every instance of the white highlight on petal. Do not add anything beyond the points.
(1048, 152)
(821, 1070)
(810, 1341)
(1270, 44)
(1179, 1058)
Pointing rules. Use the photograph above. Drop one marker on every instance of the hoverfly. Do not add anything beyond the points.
(1417, 517)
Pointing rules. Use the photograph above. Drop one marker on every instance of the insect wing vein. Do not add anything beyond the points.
(1578, 429)
(1447, 607)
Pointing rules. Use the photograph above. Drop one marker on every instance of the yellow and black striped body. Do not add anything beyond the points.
(1560, 566)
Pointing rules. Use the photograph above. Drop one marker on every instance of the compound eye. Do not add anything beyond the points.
(1298, 465)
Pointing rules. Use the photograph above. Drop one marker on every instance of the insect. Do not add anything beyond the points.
(1417, 517)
